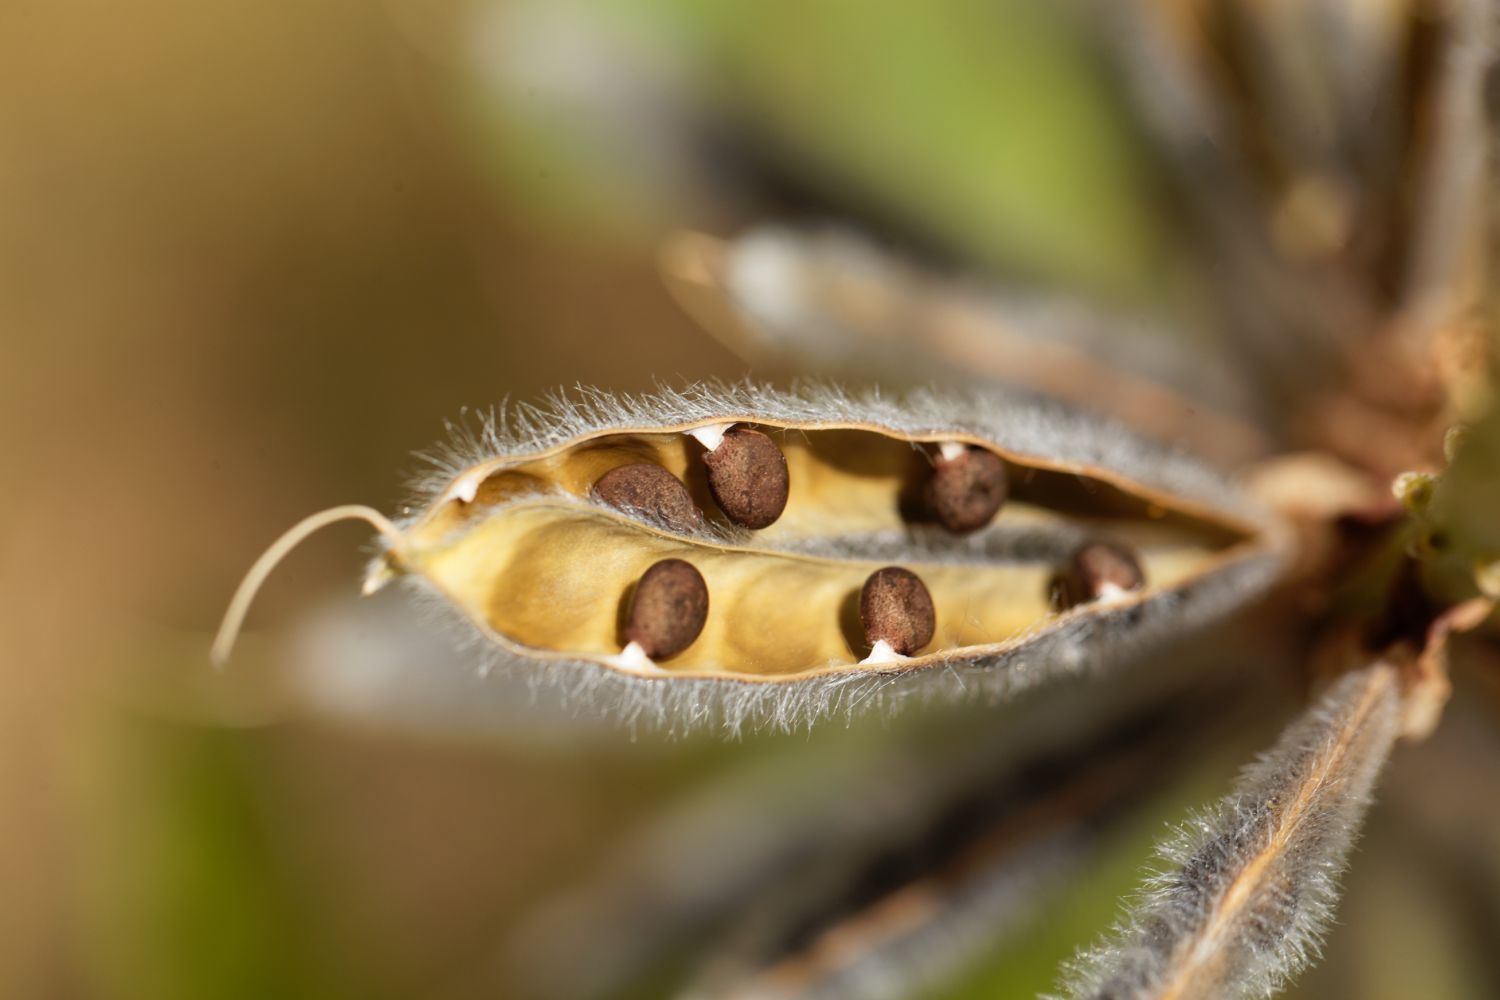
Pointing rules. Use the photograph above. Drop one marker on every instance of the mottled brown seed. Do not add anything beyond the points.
(652, 491)
(967, 490)
(668, 609)
(895, 605)
(1095, 568)
(748, 477)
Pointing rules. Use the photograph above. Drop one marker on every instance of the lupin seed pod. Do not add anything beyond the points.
(517, 534)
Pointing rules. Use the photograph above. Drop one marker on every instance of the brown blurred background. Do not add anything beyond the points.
(249, 261)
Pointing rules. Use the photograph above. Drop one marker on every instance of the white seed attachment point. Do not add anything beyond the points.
(466, 486)
(710, 436)
(378, 577)
(633, 658)
(882, 652)
(951, 450)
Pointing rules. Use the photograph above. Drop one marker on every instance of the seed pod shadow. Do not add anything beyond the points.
(1059, 595)
(912, 498)
(622, 612)
(852, 625)
(695, 478)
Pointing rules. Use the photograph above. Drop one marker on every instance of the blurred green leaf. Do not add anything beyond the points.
(988, 126)
(184, 896)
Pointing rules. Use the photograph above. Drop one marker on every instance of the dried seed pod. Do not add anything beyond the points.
(983, 836)
(967, 487)
(518, 542)
(1099, 569)
(895, 607)
(748, 476)
(650, 490)
(826, 299)
(1248, 886)
(667, 609)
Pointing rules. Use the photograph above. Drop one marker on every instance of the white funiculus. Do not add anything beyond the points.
(710, 436)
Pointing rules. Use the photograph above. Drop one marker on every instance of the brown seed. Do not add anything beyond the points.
(895, 605)
(652, 491)
(1096, 568)
(966, 491)
(748, 476)
(668, 609)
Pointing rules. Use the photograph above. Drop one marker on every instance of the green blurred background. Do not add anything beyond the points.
(252, 255)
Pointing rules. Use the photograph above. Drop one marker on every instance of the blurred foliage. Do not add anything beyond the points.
(254, 255)
(182, 887)
(1468, 495)
(988, 126)
(1028, 964)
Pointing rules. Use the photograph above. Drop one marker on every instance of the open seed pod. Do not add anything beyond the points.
(744, 616)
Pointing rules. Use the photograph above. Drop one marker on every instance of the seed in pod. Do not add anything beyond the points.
(748, 477)
(1099, 569)
(652, 491)
(895, 607)
(967, 487)
(668, 609)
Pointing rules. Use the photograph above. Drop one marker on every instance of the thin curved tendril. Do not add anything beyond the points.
(234, 617)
